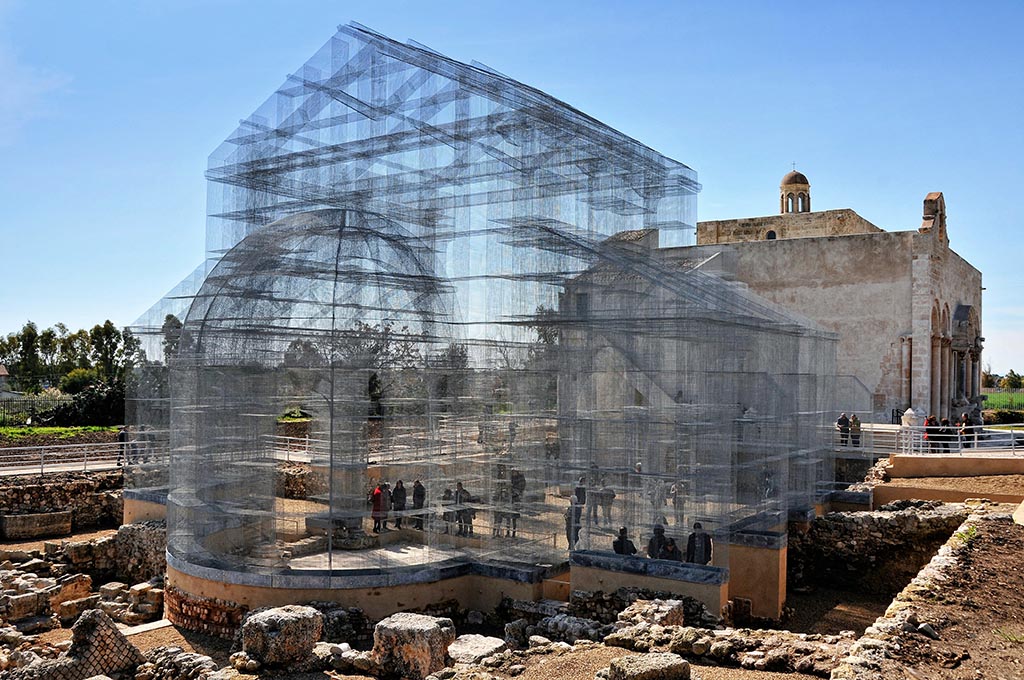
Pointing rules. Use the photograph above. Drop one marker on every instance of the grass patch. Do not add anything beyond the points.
(295, 415)
(1014, 638)
(22, 432)
(967, 536)
(1004, 400)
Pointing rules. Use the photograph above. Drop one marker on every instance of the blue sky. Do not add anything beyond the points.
(108, 111)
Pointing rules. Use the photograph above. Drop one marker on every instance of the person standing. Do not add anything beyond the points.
(122, 445)
(699, 546)
(398, 499)
(463, 513)
(385, 505)
(622, 545)
(843, 426)
(855, 429)
(606, 498)
(376, 507)
(419, 498)
(657, 542)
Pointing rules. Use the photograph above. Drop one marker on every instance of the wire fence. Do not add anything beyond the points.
(19, 410)
(1012, 400)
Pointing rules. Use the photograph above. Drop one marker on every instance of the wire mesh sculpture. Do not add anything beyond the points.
(461, 283)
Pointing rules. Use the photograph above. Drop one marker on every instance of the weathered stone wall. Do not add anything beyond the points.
(791, 225)
(870, 286)
(300, 481)
(141, 551)
(879, 551)
(606, 607)
(94, 498)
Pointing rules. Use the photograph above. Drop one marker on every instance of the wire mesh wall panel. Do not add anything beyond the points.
(457, 278)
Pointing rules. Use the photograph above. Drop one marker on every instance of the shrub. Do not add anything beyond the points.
(77, 380)
(1003, 417)
(97, 404)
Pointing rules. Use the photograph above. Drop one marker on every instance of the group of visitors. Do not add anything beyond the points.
(699, 545)
(849, 429)
(384, 500)
(942, 435)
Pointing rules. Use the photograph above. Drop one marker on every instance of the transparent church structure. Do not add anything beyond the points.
(447, 275)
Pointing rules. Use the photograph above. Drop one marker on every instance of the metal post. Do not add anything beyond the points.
(42, 453)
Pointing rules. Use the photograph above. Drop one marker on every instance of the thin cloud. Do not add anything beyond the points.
(23, 90)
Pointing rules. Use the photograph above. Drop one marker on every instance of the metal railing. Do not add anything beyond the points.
(980, 438)
(20, 460)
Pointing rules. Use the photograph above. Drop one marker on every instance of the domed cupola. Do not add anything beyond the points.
(794, 193)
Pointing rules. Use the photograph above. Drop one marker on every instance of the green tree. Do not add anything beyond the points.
(49, 345)
(172, 336)
(27, 369)
(988, 378)
(1011, 381)
(105, 341)
(132, 354)
(74, 351)
(77, 380)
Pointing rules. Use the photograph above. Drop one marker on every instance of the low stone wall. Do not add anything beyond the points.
(879, 551)
(93, 498)
(606, 607)
(207, 615)
(35, 525)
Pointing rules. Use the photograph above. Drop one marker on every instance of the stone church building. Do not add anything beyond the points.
(906, 307)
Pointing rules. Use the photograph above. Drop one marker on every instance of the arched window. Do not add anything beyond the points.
(789, 202)
(770, 236)
(802, 203)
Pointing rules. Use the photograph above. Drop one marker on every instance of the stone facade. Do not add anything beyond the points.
(906, 307)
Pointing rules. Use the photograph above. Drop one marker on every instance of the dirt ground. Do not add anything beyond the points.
(828, 611)
(978, 614)
(1001, 484)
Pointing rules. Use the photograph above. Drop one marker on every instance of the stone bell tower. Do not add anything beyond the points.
(794, 193)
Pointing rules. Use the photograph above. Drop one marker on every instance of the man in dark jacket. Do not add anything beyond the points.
(699, 547)
(398, 498)
(657, 542)
(622, 545)
(419, 498)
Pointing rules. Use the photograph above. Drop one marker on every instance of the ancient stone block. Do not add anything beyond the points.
(661, 666)
(70, 587)
(282, 635)
(412, 645)
(472, 648)
(72, 609)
